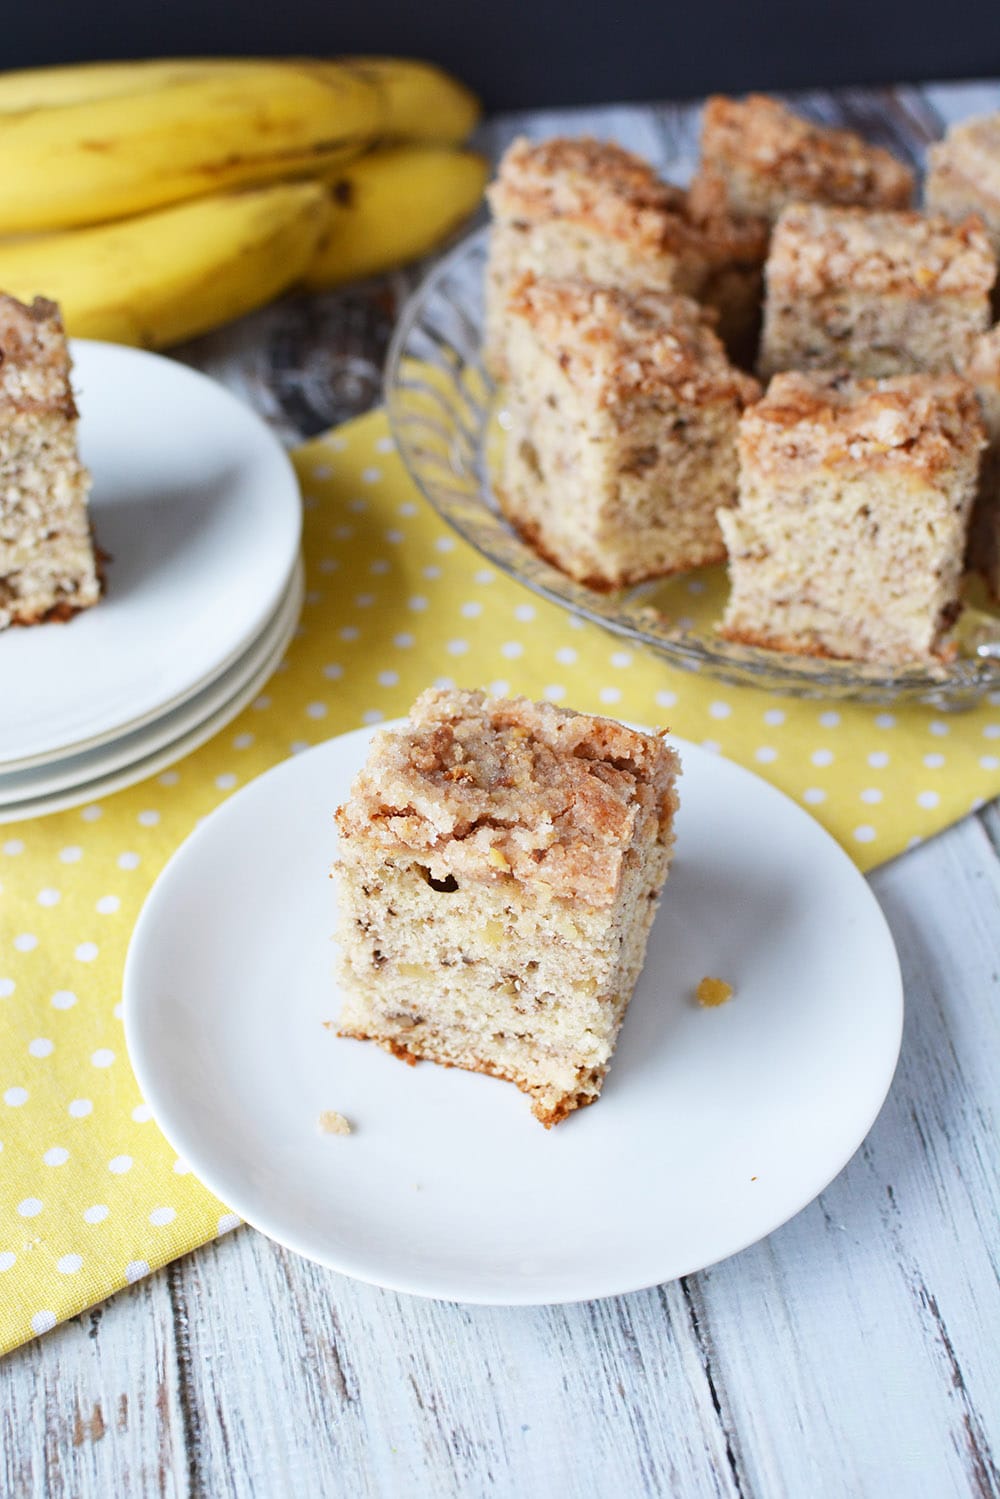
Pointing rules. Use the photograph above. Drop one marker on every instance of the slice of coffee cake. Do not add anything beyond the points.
(47, 565)
(874, 293)
(500, 865)
(853, 515)
(622, 440)
(757, 156)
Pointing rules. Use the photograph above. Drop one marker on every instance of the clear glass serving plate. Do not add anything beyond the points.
(448, 420)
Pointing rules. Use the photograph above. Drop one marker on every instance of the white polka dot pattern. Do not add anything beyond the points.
(395, 602)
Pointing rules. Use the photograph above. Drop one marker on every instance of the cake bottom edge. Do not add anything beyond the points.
(547, 1109)
(90, 589)
(532, 534)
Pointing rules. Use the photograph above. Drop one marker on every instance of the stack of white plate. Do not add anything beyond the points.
(197, 509)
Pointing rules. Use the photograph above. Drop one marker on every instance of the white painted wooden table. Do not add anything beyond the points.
(856, 1352)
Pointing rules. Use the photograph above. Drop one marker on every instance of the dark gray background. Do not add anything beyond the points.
(551, 51)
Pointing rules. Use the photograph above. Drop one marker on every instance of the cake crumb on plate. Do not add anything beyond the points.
(332, 1123)
(712, 992)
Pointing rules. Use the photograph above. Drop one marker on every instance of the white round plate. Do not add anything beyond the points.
(198, 507)
(20, 786)
(715, 1126)
(251, 677)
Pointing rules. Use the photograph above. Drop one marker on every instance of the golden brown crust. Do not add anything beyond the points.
(548, 1115)
(531, 534)
(816, 249)
(775, 641)
(901, 422)
(757, 155)
(626, 344)
(490, 788)
(60, 613)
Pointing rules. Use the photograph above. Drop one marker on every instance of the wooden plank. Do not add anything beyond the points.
(93, 1408)
(853, 1344)
(298, 1380)
(308, 363)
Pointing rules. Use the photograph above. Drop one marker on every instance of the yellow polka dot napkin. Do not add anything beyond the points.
(91, 1195)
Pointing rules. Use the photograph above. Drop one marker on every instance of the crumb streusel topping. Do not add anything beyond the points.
(593, 183)
(899, 422)
(795, 156)
(488, 787)
(623, 344)
(816, 249)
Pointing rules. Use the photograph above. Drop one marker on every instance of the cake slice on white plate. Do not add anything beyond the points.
(500, 866)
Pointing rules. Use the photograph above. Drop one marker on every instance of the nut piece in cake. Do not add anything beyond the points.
(499, 868)
(874, 293)
(47, 564)
(757, 157)
(963, 174)
(854, 508)
(983, 372)
(577, 207)
(622, 440)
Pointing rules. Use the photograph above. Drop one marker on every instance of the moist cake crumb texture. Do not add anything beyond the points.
(623, 415)
(874, 293)
(855, 497)
(48, 569)
(499, 868)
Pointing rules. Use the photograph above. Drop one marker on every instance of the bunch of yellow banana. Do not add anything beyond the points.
(156, 200)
